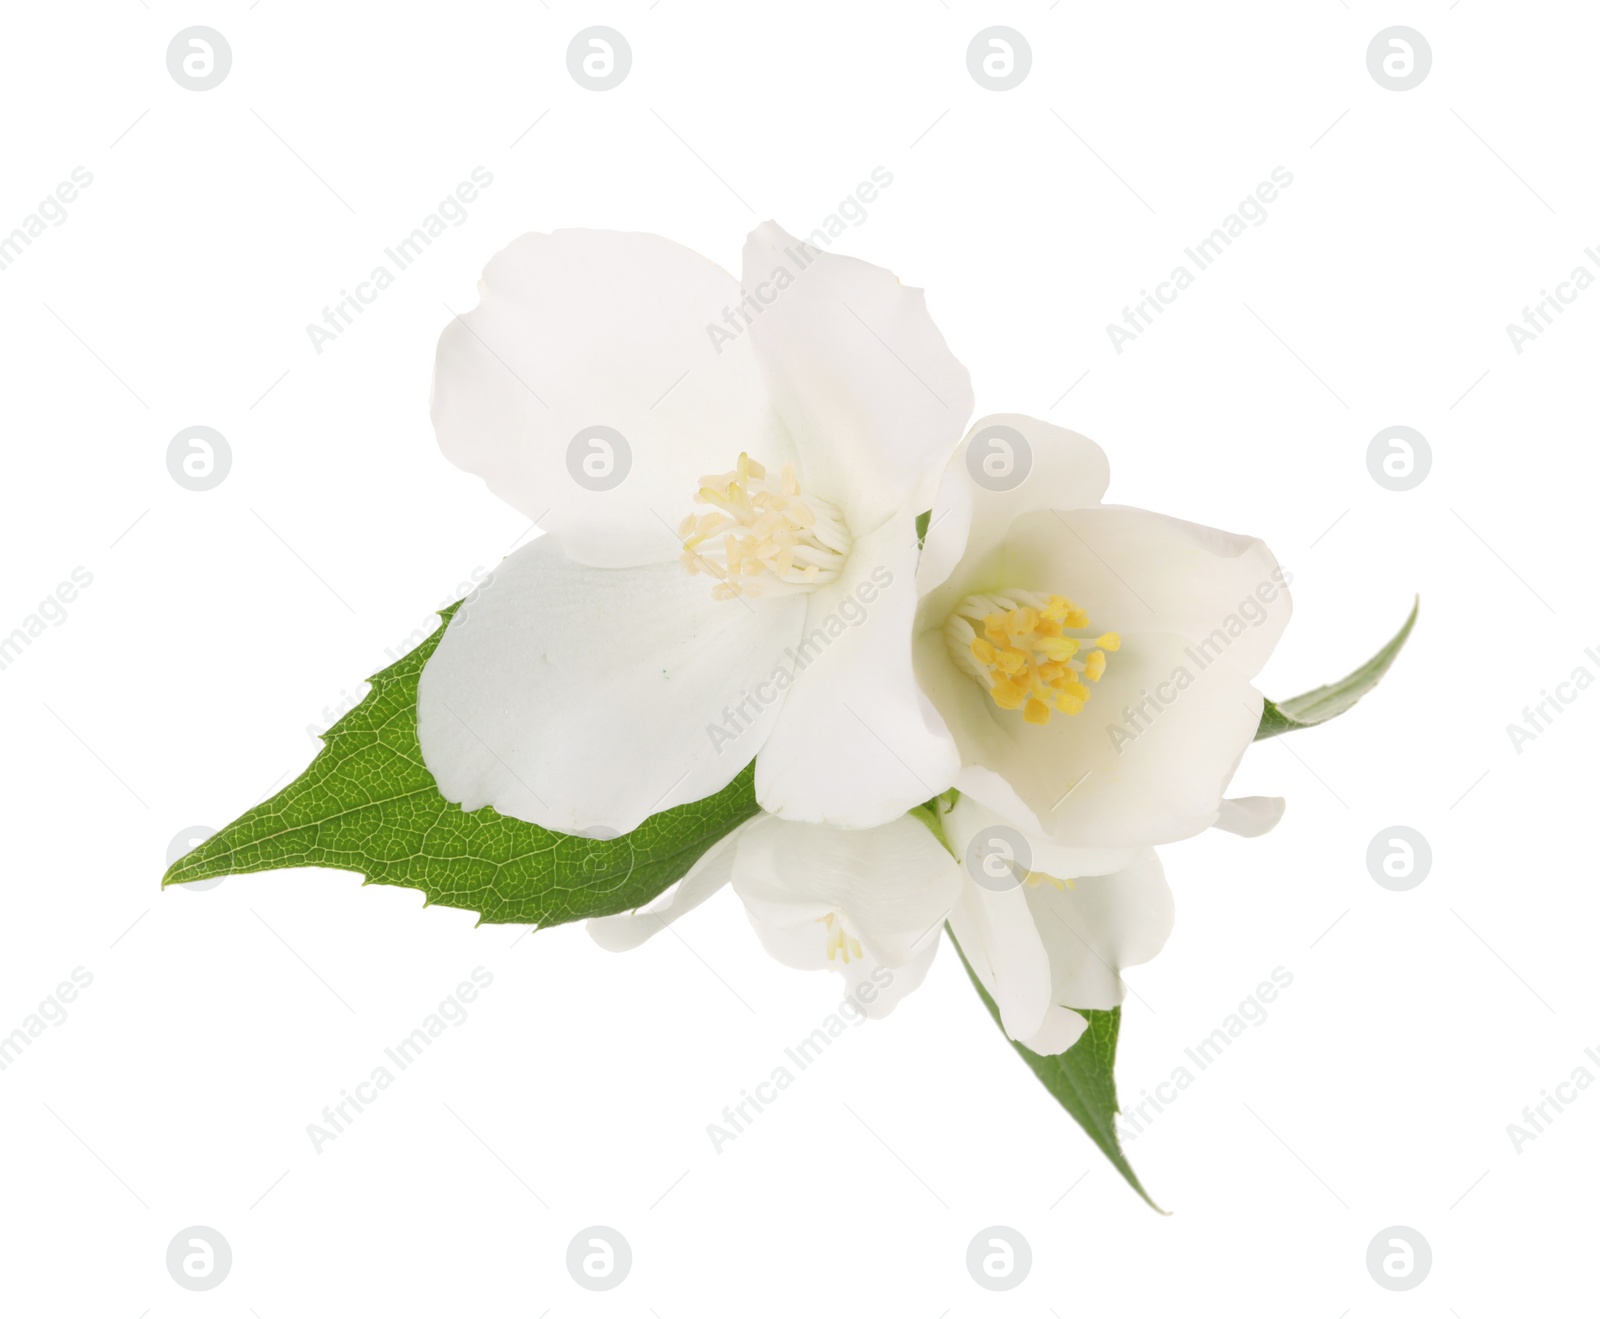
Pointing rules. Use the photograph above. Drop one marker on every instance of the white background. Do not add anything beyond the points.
(221, 624)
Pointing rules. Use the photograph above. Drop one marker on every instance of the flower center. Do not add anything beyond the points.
(840, 943)
(1021, 647)
(763, 536)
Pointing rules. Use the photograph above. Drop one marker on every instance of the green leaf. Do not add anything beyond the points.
(1081, 1078)
(922, 526)
(1322, 704)
(367, 803)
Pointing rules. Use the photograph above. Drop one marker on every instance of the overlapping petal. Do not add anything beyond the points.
(1057, 939)
(889, 888)
(859, 373)
(584, 328)
(858, 742)
(993, 481)
(1136, 571)
(996, 931)
(712, 872)
(867, 903)
(1250, 817)
(1146, 762)
(583, 698)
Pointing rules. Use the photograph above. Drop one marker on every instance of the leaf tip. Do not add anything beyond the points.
(172, 876)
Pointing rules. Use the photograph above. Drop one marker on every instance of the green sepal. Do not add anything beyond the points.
(1325, 703)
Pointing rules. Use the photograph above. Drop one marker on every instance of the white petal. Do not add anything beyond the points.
(969, 818)
(1103, 779)
(996, 932)
(858, 743)
(891, 886)
(629, 929)
(1250, 817)
(1099, 927)
(860, 374)
(970, 517)
(584, 698)
(1061, 1030)
(877, 990)
(583, 328)
(1136, 571)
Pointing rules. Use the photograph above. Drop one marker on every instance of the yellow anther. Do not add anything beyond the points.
(1024, 657)
(1036, 877)
(1007, 695)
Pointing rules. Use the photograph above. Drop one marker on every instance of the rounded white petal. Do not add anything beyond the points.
(1250, 817)
(1112, 776)
(877, 990)
(858, 743)
(1061, 1030)
(891, 887)
(970, 517)
(970, 818)
(997, 934)
(1136, 571)
(859, 373)
(583, 698)
(583, 328)
(1103, 924)
(629, 929)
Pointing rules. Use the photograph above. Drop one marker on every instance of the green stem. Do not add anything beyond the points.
(932, 813)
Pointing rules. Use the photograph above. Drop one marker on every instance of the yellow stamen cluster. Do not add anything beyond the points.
(763, 535)
(840, 943)
(1017, 644)
(1036, 877)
